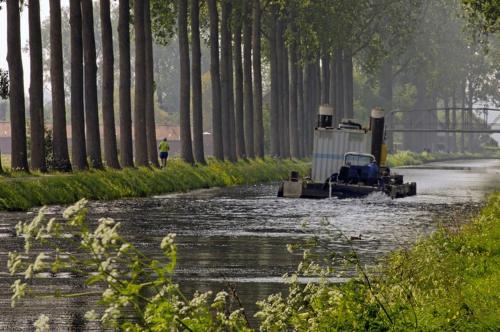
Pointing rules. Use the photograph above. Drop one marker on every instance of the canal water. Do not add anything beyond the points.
(238, 235)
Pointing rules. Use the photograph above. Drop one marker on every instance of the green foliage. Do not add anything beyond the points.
(21, 193)
(486, 13)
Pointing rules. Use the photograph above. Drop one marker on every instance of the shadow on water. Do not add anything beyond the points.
(239, 235)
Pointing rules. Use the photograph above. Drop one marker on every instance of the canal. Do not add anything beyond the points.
(238, 235)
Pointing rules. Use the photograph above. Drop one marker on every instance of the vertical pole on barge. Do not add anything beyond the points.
(377, 128)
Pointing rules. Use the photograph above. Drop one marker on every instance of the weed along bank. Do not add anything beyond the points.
(22, 193)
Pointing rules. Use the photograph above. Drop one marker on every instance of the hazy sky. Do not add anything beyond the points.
(44, 12)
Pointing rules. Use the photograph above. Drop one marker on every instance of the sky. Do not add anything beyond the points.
(44, 13)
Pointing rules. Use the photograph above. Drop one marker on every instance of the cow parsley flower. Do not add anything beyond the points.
(91, 315)
(72, 210)
(39, 263)
(19, 290)
(28, 274)
(14, 262)
(42, 324)
(168, 241)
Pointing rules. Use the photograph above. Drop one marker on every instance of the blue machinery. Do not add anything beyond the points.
(348, 161)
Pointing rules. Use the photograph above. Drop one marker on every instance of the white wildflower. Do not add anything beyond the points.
(307, 254)
(35, 223)
(91, 315)
(20, 228)
(111, 314)
(221, 296)
(199, 299)
(124, 248)
(235, 315)
(107, 221)
(39, 263)
(14, 262)
(168, 241)
(289, 248)
(28, 274)
(51, 225)
(72, 210)
(104, 266)
(42, 324)
(220, 300)
(108, 294)
(19, 290)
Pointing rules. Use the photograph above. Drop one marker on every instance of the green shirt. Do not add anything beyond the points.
(164, 147)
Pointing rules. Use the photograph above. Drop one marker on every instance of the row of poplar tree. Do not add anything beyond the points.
(86, 147)
(304, 49)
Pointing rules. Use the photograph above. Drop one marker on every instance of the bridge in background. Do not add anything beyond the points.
(440, 127)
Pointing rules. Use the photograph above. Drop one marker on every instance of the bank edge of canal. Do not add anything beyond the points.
(449, 281)
(23, 192)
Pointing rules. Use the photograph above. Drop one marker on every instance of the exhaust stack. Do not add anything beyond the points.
(325, 116)
(377, 128)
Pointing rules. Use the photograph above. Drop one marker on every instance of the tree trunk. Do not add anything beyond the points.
(19, 159)
(279, 70)
(91, 105)
(150, 90)
(199, 154)
(108, 113)
(225, 42)
(348, 84)
(308, 101)
(232, 120)
(339, 87)
(325, 78)
(140, 136)
(257, 73)
(126, 149)
(300, 110)
(215, 77)
(60, 142)
(286, 101)
(274, 133)
(238, 90)
(78, 146)
(36, 89)
(294, 136)
(247, 81)
(185, 123)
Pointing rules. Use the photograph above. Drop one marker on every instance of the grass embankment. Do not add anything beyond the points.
(21, 193)
(448, 282)
(453, 277)
(405, 158)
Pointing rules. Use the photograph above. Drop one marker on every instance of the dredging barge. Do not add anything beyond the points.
(348, 161)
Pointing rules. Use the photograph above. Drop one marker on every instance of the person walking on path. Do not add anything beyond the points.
(164, 148)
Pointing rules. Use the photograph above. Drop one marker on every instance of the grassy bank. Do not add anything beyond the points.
(448, 282)
(21, 193)
(405, 158)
